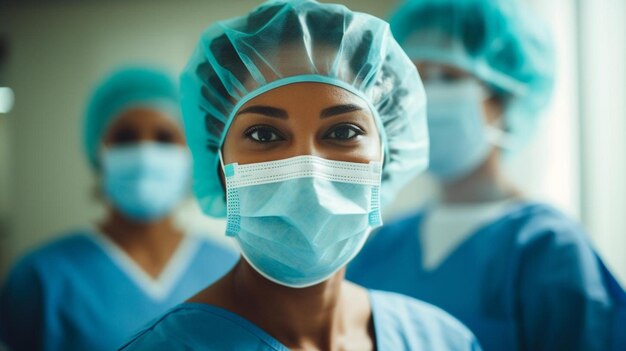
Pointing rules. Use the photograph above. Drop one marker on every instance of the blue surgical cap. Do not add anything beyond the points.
(124, 89)
(284, 42)
(498, 41)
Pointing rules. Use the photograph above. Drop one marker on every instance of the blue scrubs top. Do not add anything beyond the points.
(400, 323)
(528, 281)
(618, 294)
(82, 293)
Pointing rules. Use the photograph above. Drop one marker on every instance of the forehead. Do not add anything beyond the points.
(144, 117)
(307, 96)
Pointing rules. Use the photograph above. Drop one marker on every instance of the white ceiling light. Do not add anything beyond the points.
(6, 99)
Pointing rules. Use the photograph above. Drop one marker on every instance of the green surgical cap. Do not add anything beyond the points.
(123, 89)
(499, 41)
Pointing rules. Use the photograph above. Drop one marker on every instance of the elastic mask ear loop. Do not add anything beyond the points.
(375, 217)
(497, 137)
(219, 153)
(233, 218)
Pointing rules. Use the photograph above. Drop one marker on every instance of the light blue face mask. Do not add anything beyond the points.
(300, 220)
(146, 181)
(460, 138)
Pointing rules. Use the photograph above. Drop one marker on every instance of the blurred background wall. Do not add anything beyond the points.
(59, 49)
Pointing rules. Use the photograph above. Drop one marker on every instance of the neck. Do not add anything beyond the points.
(486, 183)
(122, 229)
(149, 244)
(300, 318)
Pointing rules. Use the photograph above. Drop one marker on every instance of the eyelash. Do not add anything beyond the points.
(278, 137)
(255, 129)
(352, 128)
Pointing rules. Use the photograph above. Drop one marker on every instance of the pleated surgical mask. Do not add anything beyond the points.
(300, 220)
(460, 137)
(146, 181)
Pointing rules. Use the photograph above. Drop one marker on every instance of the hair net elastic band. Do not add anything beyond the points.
(310, 78)
(170, 109)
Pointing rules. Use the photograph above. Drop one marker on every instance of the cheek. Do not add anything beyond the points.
(372, 149)
(367, 149)
(492, 111)
(363, 149)
(233, 147)
(228, 151)
(373, 143)
(180, 139)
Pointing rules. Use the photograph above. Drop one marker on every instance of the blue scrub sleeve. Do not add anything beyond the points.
(618, 329)
(563, 302)
(21, 309)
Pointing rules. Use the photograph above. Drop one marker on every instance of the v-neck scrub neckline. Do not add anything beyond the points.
(156, 288)
(80, 292)
(256, 330)
(400, 323)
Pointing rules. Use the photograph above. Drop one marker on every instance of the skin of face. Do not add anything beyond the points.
(303, 119)
(140, 124)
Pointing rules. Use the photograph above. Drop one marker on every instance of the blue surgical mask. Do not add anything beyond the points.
(146, 181)
(460, 138)
(300, 220)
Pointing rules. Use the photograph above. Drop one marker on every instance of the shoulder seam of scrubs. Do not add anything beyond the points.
(157, 288)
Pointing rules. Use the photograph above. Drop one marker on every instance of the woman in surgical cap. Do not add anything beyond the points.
(520, 274)
(91, 289)
(300, 116)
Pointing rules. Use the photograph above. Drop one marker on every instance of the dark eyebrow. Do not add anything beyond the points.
(265, 110)
(339, 109)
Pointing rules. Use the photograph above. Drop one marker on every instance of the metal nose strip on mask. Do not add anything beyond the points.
(369, 173)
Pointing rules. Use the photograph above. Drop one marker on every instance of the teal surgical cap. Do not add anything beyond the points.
(124, 89)
(284, 42)
(498, 41)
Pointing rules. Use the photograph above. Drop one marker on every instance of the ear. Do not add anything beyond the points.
(494, 110)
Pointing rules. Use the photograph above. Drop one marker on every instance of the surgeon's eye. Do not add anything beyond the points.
(164, 136)
(124, 136)
(452, 77)
(263, 134)
(344, 132)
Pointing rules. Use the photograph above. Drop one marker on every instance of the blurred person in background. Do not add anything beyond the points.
(92, 288)
(519, 273)
(296, 105)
